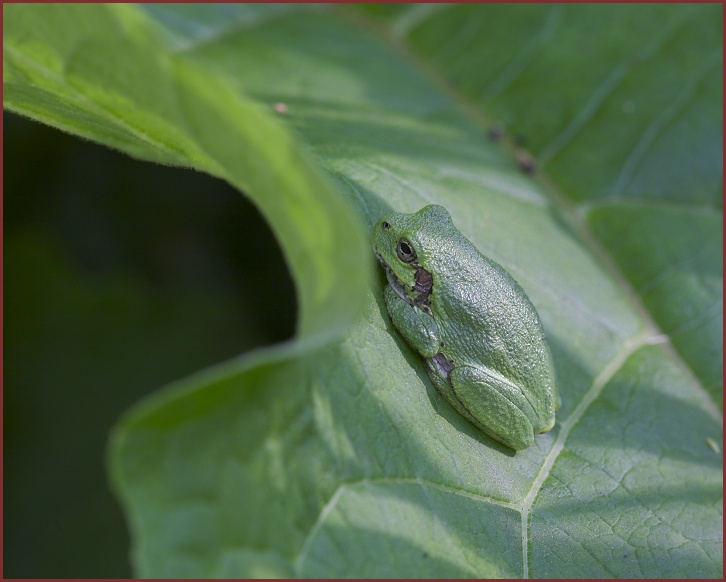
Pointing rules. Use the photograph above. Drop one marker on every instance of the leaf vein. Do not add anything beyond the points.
(607, 373)
(603, 91)
(520, 63)
(649, 136)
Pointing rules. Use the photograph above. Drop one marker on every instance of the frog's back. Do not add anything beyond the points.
(488, 320)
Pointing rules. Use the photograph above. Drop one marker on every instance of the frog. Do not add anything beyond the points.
(481, 339)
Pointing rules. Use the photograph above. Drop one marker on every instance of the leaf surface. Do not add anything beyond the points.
(336, 457)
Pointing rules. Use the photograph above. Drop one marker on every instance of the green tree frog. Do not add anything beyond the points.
(479, 334)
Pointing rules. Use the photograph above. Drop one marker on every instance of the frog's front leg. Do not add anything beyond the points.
(498, 406)
(417, 327)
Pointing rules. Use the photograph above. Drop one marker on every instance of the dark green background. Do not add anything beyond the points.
(119, 276)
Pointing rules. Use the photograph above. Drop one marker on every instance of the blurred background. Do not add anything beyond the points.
(119, 277)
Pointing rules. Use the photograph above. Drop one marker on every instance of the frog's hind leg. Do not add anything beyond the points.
(439, 370)
(490, 401)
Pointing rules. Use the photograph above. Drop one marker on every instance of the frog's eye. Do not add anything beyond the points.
(385, 225)
(405, 251)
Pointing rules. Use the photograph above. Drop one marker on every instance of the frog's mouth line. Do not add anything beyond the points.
(406, 292)
(396, 284)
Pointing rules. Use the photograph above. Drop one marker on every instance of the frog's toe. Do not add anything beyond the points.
(547, 427)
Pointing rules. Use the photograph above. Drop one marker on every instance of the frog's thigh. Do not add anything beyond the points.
(418, 328)
(497, 416)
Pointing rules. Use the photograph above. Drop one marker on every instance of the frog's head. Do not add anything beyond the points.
(404, 244)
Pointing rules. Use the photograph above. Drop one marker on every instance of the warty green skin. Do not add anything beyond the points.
(479, 334)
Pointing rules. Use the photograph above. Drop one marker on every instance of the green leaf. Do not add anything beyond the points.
(106, 73)
(333, 455)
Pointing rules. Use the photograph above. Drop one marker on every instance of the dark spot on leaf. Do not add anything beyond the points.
(526, 162)
(495, 132)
